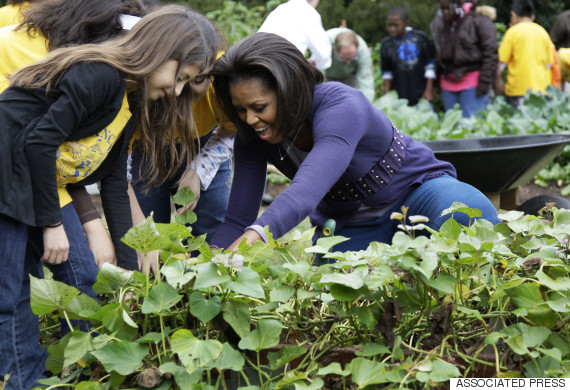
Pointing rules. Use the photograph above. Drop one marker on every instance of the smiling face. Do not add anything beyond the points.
(163, 81)
(396, 26)
(256, 105)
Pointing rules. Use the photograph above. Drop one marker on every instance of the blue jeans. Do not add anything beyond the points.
(211, 208)
(429, 200)
(80, 270)
(21, 354)
(467, 99)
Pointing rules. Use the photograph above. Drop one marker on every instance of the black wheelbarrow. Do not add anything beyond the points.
(498, 165)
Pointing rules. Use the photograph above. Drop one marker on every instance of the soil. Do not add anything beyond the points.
(531, 190)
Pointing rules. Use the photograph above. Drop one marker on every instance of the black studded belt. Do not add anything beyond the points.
(377, 177)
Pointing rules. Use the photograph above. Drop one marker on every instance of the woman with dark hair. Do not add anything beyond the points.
(72, 22)
(52, 24)
(346, 159)
(67, 120)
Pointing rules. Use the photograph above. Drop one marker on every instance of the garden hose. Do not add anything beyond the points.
(327, 231)
(328, 228)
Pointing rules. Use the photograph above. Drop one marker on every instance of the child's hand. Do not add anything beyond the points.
(191, 180)
(100, 242)
(56, 245)
(152, 258)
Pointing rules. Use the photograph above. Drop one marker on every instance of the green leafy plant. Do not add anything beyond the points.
(237, 21)
(466, 301)
(539, 114)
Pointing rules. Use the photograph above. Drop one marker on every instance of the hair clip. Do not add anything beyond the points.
(128, 21)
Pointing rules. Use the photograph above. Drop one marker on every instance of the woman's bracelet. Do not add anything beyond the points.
(58, 224)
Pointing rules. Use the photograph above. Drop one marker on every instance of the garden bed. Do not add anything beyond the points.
(479, 301)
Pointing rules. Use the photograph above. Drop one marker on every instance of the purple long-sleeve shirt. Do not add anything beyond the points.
(350, 137)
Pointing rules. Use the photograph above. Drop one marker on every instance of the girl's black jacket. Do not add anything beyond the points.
(32, 127)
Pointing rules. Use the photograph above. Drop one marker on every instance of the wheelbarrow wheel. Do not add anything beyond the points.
(533, 205)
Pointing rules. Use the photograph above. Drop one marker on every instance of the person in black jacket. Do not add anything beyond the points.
(68, 120)
(466, 55)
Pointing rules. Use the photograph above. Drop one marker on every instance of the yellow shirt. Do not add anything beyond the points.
(564, 57)
(207, 114)
(18, 49)
(10, 14)
(528, 52)
(78, 159)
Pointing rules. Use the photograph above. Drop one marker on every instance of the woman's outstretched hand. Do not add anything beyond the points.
(251, 235)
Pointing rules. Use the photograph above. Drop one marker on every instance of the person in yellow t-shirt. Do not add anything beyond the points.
(527, 52)
(12, 12)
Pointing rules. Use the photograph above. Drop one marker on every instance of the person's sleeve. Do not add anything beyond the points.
(319, 43)
(364, 76)
(488, 38)
(83, 89)
(336, 130)
(506, 48)
(116, 205)
(245, 197)
(386, 62)
(214, 153)
(219, 148)
(435, 28)
(84, 207)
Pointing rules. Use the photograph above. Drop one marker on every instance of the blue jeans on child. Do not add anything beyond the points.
(468, 101)
(20, 250)
(210, 210)
(429, 200)
(21, 354)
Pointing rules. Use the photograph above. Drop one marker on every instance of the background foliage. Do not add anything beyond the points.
(366, 17)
